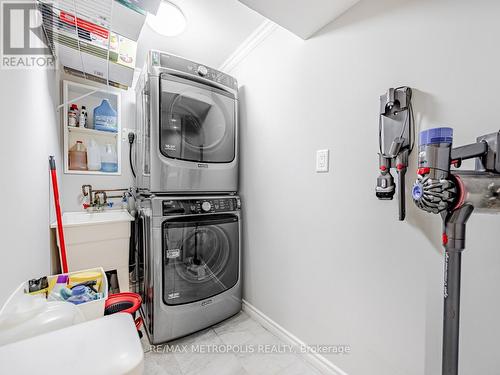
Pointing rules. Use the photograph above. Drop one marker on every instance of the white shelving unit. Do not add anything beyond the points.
(96, 39)
(90, 97)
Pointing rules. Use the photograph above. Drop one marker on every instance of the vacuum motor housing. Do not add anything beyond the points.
(435, 190)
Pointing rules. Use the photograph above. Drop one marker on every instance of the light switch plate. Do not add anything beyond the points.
(322, 160)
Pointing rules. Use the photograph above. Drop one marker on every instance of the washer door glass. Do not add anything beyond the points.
(200, 257)
(197, 122)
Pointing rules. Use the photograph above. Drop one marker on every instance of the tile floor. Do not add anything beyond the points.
(245, 348)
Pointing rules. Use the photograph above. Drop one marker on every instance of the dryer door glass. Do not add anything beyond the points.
(200, 257)
(197, 122)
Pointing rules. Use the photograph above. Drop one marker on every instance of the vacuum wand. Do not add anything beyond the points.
(401, 193)
(451, 313)
(401, 166)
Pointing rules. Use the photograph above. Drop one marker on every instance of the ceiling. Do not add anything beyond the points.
(215, 28)
(302, 17)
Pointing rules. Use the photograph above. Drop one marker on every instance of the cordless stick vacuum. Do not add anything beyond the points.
(455, 195)
(396, 140)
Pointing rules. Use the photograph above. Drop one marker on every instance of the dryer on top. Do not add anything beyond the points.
(187, 128)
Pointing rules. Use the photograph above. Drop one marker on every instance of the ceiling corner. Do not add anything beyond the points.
(302, 17)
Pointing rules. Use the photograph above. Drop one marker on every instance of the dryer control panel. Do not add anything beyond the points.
(200, 206)
(190, 67)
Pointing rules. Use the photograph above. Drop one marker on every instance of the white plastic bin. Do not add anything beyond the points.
(90, 310)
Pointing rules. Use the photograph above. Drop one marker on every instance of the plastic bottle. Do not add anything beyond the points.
(82, 120)
(93, 156)
(73, 115)
(55, 293)
(78, 157)
(80, 294)
(105, 117)
(109, 159)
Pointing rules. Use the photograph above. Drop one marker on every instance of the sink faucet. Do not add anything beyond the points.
(96, 200)
(87, 194)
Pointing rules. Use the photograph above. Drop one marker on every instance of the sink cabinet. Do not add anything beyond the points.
(100, 239)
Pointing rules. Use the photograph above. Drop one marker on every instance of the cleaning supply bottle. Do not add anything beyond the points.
(55, 293)
(82, 119)
(109, 159)
(105, 117)
(80, 294)
(93, 156)
(73, 115)
(78, 157)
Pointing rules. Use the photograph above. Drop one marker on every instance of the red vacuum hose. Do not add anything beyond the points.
(60, 232)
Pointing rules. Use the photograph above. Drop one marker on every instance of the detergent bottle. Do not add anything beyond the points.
(80, 294)
(105, 117)
(78, 157)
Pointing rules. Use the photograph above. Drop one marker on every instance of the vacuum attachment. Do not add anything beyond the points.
(396, 141)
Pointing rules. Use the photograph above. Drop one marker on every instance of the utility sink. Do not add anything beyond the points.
(98, 239)
(72, 219)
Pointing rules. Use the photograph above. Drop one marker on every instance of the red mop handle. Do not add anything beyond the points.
(60, 232)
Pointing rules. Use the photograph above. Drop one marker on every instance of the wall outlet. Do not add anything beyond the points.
(322, 160)
(125, 132)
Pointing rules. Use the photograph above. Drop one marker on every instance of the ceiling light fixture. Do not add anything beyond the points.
(169, 21)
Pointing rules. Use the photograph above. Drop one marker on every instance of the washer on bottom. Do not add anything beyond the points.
(189, 263)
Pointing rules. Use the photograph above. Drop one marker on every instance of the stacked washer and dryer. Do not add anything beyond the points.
(188, 224)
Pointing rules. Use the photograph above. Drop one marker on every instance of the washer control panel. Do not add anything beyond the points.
(200, 206)
(192, 68)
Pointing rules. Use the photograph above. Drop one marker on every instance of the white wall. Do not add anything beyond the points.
(323, 257)
(72, 183)
(29, 136)
(31, 132)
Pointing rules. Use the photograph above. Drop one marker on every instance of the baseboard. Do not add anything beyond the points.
(315, 359)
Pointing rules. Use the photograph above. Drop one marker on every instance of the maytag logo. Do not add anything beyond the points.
(207, 302)
(24, 43)
(173, 253)
(202, 165)
(173, 295)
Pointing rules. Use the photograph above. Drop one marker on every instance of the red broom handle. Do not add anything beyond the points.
(60, 232)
